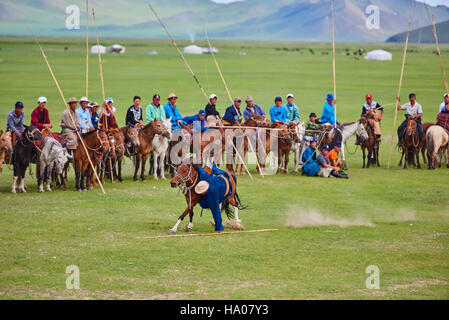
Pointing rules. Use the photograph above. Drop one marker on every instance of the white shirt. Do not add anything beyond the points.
(443, 107)
(108, 113)
(416, 109)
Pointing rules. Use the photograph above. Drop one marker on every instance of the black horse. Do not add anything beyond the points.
(24, 150)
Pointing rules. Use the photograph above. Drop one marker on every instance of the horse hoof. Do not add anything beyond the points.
(13, 191)
(171, 231)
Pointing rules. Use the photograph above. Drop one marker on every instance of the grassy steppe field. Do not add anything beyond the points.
(330, 230)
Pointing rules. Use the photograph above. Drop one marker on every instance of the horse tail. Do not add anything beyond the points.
(240, 205)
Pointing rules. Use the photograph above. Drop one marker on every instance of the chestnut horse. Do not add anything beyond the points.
(146, 136)
(186, 178)
(5, 147)
(369, 144)
(411, 144)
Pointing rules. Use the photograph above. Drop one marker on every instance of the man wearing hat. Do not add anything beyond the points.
(40, 117)
(310, 167)
(171, 112)
(68, 127)
(233, 113)
(83, 113)
(371, 111)
(155, 111)
(444, 106)
(414, 112)
(15, 121)
(198, 121)
(252, 109)
(94, 117)
(278, 112)
(313, 128)
(212, 115)
(292, 109)
(326, 169)
(134, 113)
(328, 115)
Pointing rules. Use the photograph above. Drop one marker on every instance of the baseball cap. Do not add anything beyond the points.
(369, 95)
(41, 99)
(212, 96)
(290, 95)
(19, 104)
(313, 114)
(278, 99)
(446, 95)
(202, 112)
(109, 100)
(156, 96)
(237, 99)
(325, 147)
(338, 144)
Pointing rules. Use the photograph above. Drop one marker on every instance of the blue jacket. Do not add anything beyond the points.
(84, 118)
(278, 114)
(195, 119)
(174, 114)
(292, 112)
(230, 114)
(219, 191)
(328, 115)
(310, 166)
(256, 109)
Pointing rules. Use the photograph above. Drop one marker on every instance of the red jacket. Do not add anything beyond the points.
(35, 118)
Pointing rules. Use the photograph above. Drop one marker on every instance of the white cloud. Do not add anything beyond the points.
(436, 2)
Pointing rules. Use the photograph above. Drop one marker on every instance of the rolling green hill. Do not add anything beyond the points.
(299, 20)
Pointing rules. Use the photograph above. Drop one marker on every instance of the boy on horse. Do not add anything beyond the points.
(195, 119)
(155, 111)
(371, 111)
(328, 114)
(414, 112)
(233, 113)
(444, 106)
(134, 114)
(40, 117)
(291, 109)
(16, 121)
(212, 115)
(278, 113)
(252, 109)
(70, 124)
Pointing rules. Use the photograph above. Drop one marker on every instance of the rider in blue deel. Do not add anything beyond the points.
(215, 188)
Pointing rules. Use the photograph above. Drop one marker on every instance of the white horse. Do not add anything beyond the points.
(160, 147)
(347, 130)
(296, 146)
(436, 142)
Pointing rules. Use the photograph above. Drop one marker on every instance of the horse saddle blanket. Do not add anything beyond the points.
(443, 120)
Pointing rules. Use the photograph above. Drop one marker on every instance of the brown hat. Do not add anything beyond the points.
(172, 95)
(72, 100)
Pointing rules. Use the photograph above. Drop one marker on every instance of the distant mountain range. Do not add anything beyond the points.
(299, 20)
(425, 34)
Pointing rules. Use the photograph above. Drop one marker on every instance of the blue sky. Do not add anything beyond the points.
(431, 2)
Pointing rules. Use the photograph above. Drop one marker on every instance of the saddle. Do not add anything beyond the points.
(443, 120)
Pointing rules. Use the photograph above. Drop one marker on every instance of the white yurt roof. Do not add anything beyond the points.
(96, 49)
(193, 49)
(380, 55)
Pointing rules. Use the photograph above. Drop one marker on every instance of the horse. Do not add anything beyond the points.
(423, 146)
(5, 147)
(160, 147)
(437, 142)
(186, 178)
(52, 156)
(298, 136)
(370, 144)
(146, 136)
(119, 146)
(23, 151)
(285, 143)
(96, 143)
(410, 144)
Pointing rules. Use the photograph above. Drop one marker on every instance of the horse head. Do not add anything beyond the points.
(184, 174)
(132, 135)
(5, 141)
(296, 131)
(411, 127)
(283, 132)
(103, 138)
(360, 131)
(62, 159)
(32, 133)
(158, 128)
(167, 125)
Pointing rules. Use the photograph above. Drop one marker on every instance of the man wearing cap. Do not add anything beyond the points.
(16, 121)
(444, 106)
(310, 167)
(134, 113)
(252, 109)
(198, 121)
(94, 117)
(109, 108)
(107, 115)
(371, 111)
(328, 115)
(414, 112)
(313, 125)
(326, 169)
(40, 117)
(233, 113)
(83, 113)
(68, 127)
(291, 109)
(171, 112)
(155, 111)
(278, 113)
(212, 115)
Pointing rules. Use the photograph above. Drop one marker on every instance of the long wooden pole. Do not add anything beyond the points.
(102, 84)
(191, 71)
(67, 107)
(229, 94)
(435, 36)
(333, 63)
(398, 98)
(207, 234)
(87, 48)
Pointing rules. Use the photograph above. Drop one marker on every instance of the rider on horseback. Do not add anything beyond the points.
(414, 112)
(371, 112)
(16, 121)
(252, 109)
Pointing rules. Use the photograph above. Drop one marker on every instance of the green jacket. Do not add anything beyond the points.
(153, 113)
(312, 126)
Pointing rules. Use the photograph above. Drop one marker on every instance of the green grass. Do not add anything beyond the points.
(404, 214)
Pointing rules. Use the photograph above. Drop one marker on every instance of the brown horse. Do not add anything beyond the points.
(96, 144)
(132, 141)
(370, 144)
(5, 147)
(186, 179)
(146, 135)
(411, 144)
(285, 143)
(119, 140)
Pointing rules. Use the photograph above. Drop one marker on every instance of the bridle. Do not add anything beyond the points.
(183, 184)
(29, 136)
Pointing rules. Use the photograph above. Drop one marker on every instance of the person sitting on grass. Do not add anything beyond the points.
(335, 160)
(310, 167)
(326, 169)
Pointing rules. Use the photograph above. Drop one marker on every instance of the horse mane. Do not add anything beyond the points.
(87, 134)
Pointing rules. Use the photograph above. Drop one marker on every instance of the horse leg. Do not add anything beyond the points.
(40, 176)
(144, 162)
(417, 157)
(180, 219)
(77, 180)
(363, 155)
(14, 183)
(162, 165)
(190, 226)
(48, 171)
(153, 164)
(119, 170)
(136, 166)
(406, 151)
(22, 180)
(286, 161)
(402, 157)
